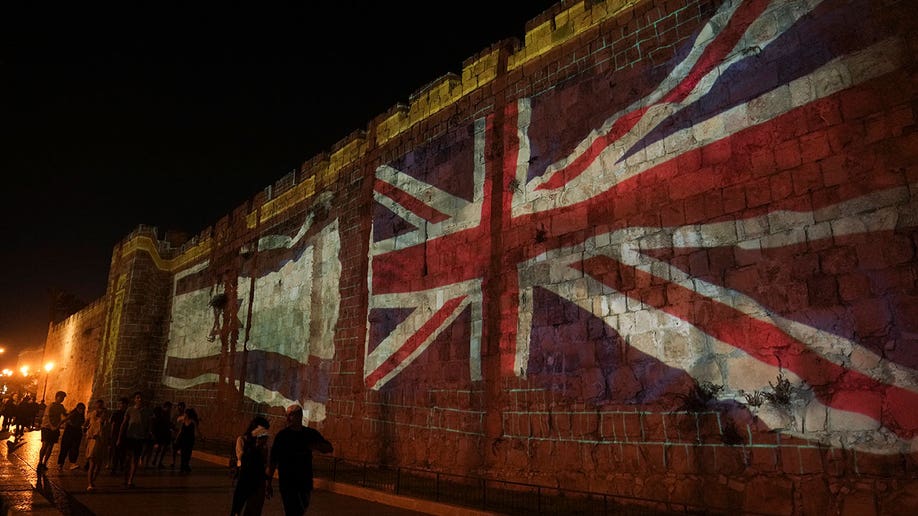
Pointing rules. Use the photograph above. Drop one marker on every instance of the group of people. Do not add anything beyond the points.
(19, 414)
(124, 439)
(290, 455)
(135, 435)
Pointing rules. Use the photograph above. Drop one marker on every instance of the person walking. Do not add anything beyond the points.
(162, 433)
(54, 415)
(175, 421)
(251, 465)
(73, 436)
(186, 437)
(19, 419)
(291, 457)
(10, 408)
(26, 418)
(96, 441)
(116, 451)
(5, 413)
(135, 430)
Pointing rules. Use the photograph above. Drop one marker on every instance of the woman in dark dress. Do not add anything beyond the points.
(251, 460)
(185, 440)
(73, 435)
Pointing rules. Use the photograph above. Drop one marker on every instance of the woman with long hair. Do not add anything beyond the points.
(96, 441)
(185, 440)
(251, 461)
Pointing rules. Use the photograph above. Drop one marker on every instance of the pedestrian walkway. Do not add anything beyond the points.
(206, 490)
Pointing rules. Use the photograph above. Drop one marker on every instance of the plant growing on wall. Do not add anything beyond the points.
(754, 399)
(700, 397)
(782, 392)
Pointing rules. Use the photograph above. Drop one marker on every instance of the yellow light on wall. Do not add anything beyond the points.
(24, 370)
(48, 367)
(7, 372)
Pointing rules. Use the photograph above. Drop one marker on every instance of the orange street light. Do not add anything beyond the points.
(24, 370)
(48, 367)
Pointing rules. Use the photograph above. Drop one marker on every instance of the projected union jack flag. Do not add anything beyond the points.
(728, 222)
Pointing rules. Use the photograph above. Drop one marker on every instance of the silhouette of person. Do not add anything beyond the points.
(291, 457)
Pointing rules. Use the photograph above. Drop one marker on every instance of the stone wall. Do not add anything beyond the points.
(659, 249)
(72, 347)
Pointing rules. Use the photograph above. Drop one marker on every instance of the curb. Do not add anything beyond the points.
(373, 495)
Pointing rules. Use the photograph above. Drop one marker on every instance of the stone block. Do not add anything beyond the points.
(654, 457)
(631, 428)
(815, 498)
(858, 503)
(654, 427)
(709, 428)
(721, 496)
(769, 495)
(732, 461)
(901, 499)
(880, 466)
(839, 462)
(764, 459)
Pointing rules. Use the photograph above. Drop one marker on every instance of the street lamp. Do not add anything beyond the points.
(48, 367)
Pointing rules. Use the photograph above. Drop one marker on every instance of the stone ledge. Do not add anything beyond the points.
(372, 495)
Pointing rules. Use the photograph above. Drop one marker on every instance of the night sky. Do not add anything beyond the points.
(173, 116)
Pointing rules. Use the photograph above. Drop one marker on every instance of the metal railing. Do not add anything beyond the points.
(499, 496)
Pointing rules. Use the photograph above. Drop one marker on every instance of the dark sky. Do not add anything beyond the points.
(174, 115)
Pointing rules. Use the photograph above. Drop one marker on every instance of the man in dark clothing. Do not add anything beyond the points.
(291, 456)
(51, 422)
(136, 428)
(115, 452)
(25, 419)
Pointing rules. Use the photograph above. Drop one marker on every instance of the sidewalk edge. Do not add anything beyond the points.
(373, 495)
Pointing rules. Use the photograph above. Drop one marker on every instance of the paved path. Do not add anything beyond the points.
(206, 490)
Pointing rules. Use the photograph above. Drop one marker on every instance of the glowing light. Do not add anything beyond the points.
(49, 366)
(24, 370)
(7, 372)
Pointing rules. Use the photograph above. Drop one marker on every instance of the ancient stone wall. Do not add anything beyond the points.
(72, 350)
(659, 249)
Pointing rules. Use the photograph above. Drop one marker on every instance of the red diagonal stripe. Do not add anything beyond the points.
(855, 392)
(717, 51)
(413, 342)
(580, 163)
(713, 55)
(411, 203)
